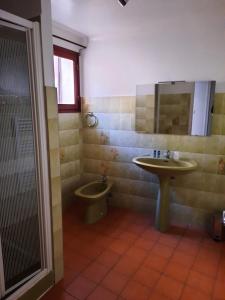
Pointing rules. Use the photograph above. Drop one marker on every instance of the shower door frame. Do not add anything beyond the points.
(40, 136)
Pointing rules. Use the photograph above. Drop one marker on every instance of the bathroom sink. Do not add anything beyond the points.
(165, 169)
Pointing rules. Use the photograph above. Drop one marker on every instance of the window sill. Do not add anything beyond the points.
(68, 108)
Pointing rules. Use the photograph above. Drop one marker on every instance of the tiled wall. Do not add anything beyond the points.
(70, 153)
(173, 113)
(53, 133)
(193, 196)
(174, 110)
(145, 112)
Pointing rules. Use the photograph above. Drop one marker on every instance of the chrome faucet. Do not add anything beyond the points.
(104, 179)
(168, 154)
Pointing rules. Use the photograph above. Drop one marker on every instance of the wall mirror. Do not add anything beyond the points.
(182, 108)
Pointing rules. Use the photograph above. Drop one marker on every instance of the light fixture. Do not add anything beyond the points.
(123, 2)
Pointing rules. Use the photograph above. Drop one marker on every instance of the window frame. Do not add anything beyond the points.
(74, 56)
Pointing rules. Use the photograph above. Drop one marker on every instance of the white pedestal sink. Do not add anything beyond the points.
(165, 169)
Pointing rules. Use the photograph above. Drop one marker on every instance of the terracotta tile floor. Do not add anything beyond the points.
(124, 257)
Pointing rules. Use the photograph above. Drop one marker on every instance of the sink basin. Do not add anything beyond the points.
(164, 168)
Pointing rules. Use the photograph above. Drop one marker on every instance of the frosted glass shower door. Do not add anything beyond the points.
(21, 228)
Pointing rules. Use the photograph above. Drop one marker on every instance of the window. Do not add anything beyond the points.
(66, 69)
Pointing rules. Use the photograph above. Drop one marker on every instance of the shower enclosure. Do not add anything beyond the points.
(25, 250)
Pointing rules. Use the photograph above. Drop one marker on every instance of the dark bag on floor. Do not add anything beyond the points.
(217, 226)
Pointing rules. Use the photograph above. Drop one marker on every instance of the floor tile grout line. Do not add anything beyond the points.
(217, 275)
(98, 284)
(169, 259)
(183, 288)
(194, 260)
(141, 264)
(117, 261)
(137, 268)
(80, 274)
(132, 244)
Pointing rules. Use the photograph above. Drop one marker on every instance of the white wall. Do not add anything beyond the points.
(69, 34)
(24, 8)
(189, 45)
(47, 43)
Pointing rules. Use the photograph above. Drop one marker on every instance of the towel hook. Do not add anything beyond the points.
(91, 119)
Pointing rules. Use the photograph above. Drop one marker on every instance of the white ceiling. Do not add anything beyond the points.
(97, 18)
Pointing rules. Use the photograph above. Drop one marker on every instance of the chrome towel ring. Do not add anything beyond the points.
(91, 119)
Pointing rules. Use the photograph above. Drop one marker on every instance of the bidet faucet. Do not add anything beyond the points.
(167, 154)
(104, 178)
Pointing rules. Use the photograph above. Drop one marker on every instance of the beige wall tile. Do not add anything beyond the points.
(69, 153)
(54, 163)
(68, 137)
(53, 133)
(70, 184)
(219, 103)
(52, 106)
(58, 238)
(69, 121)
(218, 124)
(191, 193)
(56, 191)
(70, 169)
(71, 140)
(59, 269)
(57, 217)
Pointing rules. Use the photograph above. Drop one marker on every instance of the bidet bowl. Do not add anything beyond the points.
(93, 191)
(93, 195)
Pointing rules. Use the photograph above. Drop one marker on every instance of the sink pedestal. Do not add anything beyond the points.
(165, 169)
(162, 208)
